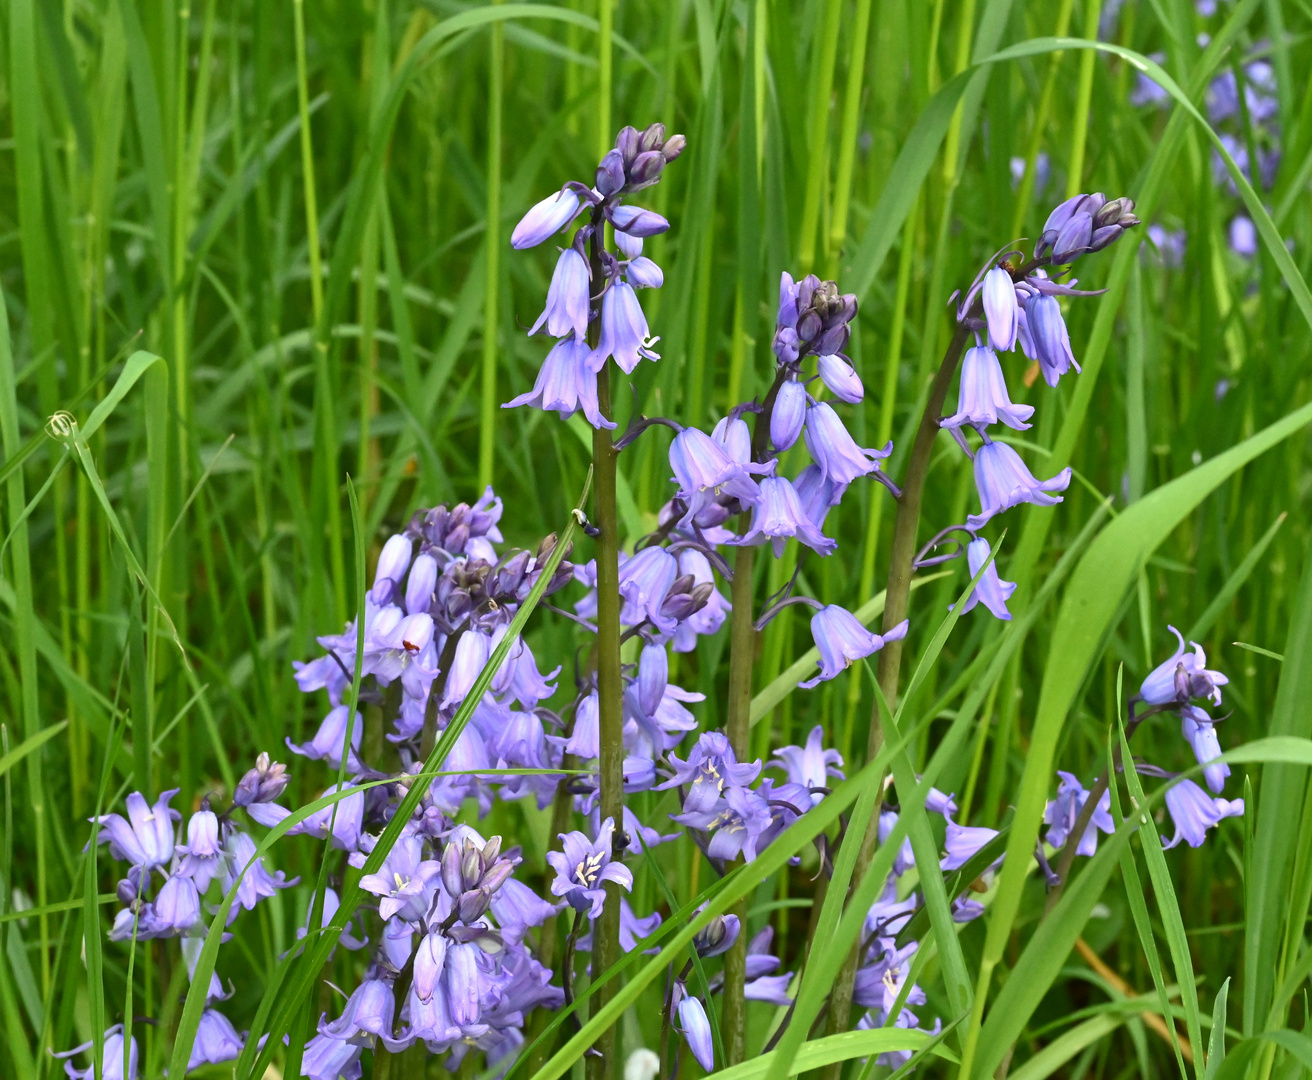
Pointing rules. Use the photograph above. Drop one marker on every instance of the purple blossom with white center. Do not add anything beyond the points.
(145, 838)
(568, 297)
(584, 866)
(962, 842)
(841, 378)
(216, 1041)
(737, 822)
(1000, 309)
(1193, 812)
(1003, 481)
(811, 766)
(834, 450)
(983, 397)
(711, 767)
(404, 882)
(842, 640)
(990, 590)
(1050, 341)
(778, 515)
(1183, 677)
(624, 332)
(111, 1062)
(1199, 730)
(545, 219)
(1062, 813)
(788, 415)
(328, 740)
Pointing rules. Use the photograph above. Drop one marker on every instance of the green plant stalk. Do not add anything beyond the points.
(818, 133)
(965, 29)
(847, 141)
(1083, 98)
(610, 686)
(492, 267)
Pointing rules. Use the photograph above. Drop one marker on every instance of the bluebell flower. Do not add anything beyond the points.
(405, 881)
(966, 909)
(327, 742)
(633, 928)
(879, 984)
(833, 449)
(708, 619)
(811, 766)
(1242, 236)
(1000, 309)
(610, 173)
(430, 961)
(1051, 342)
(145, 838)
(778, 515)
(216, 1041)
(584, 741)
(472, 652)
(991, 590)
(420, 584)
(711, 767)
(717, 936)
(645, 581)
(203, 850)
(696, 1030)
(331, 902)
(636, 221)
(327, 1058)
(177, 907)
(642, 273)
(1182, 677)
(962, 842)
(111, 1063)
(583, 868)
(545, 219)
(788, 415)
(1199, 730)
(983, 397)
(393, 561)
(369, 1010)
(568, 297)
(1063, 811)
(818, 493)
(841, 378)
(257, 883)
(1003, 481)
(1194, 812)
(905, 858)
(841, 640)
(636, 834)
(566, 383)
(262, 784)
(936, 802)
(704, 470)
(517, 909)
(738, 823)
(346, 825)
(519, 678)
(653, 676)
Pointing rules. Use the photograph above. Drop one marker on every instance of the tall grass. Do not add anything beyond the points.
(251, 248)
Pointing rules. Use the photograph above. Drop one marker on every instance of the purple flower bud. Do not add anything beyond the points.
(962, 842)
(841, 640)
(789, 414)
(1073, 238)
(839, 457)
(545, 218)
(568, 297)
(216, 1041)
(674, 146)
(420, 585)
(841, 378)
(430, 960)
(262, 784)
(642, 273)
(1000, 309)
(636, 221)
(717, 936)
(1052, 344)
(392, 565)
(1200, 731)
(1194, 812)
(566, 383)
(653, 676)
(991, 590)
(1003, 481)
(1062, 214)
(983, 397)
(653, 136)
(624, 333)
(610, 173)
(696, 1029)
(628, 143)
(646, 169)
(631, 246)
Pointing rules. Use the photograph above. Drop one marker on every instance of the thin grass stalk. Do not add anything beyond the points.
(1083, 98)
(821, 90)
(492, 268)
(848, 139)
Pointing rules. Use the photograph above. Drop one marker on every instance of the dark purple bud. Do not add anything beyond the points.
(674, 146)
(717, 937)
(497, 876)
(262, 784)
(808, 326)
(1105, 237)
(1073, 239)
(610, 173)
(636, 221)
(653, 137)
(833, 340)
(627, 143)
(473, 904)
(511, 574)
(471, 865)
(1113, 212)
(646, 169)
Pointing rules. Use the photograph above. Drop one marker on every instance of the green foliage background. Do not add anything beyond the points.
(319, 256)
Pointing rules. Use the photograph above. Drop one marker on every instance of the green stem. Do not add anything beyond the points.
(610, 687)
(487, 426)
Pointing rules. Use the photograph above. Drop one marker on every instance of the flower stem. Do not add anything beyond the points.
(609, 685)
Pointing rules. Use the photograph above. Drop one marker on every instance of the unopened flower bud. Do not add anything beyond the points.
(674, 146)
(1113, 212)
(610, 173)
(262, 784)
(627, 143)
(473, 904)
(717, 936)
(808, 326)
(653, 137)
(1073, 239)
(646, 169)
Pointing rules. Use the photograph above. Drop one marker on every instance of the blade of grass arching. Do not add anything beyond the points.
(834, 1049)
(1092, 600)
(1268, 900)
(19, 752)
(1234, 582)
(1216, 1042)
(1058, 1052)
(1138, 902)
(311, 961)
(24, 624)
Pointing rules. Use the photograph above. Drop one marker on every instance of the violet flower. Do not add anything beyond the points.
(962, 842)
(568, 297)
(696, 1029)
(566, 383)
(327, 742)
(1194, 812)
(990, 590)
(1199, 730)
(711, 767)
(1051, 342)
(1003, 481)
(983, 396)
(841, 378)
(111, 1063)
(841, 640)
(624, 332)
(811, 766)
(834, 450)
(216, 1041)
(1182, 677)
(545, 219)
(1000, 309)
(583, 868)
(778, 515)
(789, 414)
(145, 838)
(1062, 813)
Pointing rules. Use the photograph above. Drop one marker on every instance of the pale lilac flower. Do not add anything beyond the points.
(1194, 812)
(369, 1010)
(833, 449)
(327, 742)
(393, 561)
(1062, 813)
(704, 470)
(990, 590)
(346, 825)
(327, 1058)
(645, 581)
(257, 883)
(636, 221)
(711, 767)
(962, 842)
(842, 640)
(789, 414)
(145, 837)
(811, 766)
(111, 1064)
(216, 1041)
(1051, 342)
(905, 858)
(624, 332)
(517, 909)
(696, 1029)
(818, 493)
(566, 383)
(583, 868)
(420, 584)
(778, 515)
(1183, 677)
(983, 397)
(405, 881)
(203, 850)
(1003, 481)
(642, 273)
(545, 218)
(472, 652)
(1200, 731)
(568, 297)
(1000, 309)
(177, 907)
(711, 617)
(841, 378)
(653, 676)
